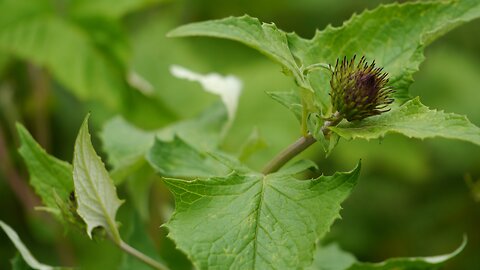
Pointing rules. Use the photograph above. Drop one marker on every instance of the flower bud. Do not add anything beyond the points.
(359, 91)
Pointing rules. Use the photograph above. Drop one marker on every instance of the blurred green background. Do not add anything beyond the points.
(412, 198)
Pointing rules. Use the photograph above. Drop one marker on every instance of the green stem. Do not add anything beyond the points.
(142, 257)
(288, 153)
(299, 146)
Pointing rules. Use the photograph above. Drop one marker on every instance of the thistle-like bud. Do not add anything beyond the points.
(359, 91)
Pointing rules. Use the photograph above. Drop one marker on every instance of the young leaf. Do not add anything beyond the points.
(26, 255)
(48, 175)
(252, 221)
(96, 195)
(412, 119)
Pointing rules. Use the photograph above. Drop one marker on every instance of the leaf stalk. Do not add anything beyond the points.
(299, 146)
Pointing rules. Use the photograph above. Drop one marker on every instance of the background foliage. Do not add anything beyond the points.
(412, 198)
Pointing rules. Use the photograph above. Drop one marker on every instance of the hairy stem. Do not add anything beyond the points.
(142, 257)
(299, 146)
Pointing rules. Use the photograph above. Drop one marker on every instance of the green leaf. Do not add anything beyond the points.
(178, 159)
(252, 145)
(110, 8)
(127, 145)
(96, 195)
(253, 221)
(48, 175)
(26, 255)
(265, 38)
(290, 100)
(413, 263)
(393, 35)
(332, 257)
(414, 120)
(18, 263)
(75, 54)
(136, 234)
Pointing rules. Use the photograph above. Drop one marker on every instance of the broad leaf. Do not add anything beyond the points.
(178, 159)
(392, 35)
(49, 176)
(252, 221)
(36, 33)
(26, 255)
(412, 119)
(96, 195)
(126, 145)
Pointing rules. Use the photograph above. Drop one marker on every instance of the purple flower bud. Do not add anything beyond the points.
(359, 91)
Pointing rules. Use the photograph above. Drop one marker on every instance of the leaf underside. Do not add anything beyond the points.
(96, 195)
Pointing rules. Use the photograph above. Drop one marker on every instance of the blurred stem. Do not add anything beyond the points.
(16, 182)
(299, 146)
(142, 257)
(40, 94)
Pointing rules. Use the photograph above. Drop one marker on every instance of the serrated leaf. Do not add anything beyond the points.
(26, 255)
(96, 195)
(414, 120)
(49, 176)
(253, 221)
(265, 38)
(393, 35)
(126, 145)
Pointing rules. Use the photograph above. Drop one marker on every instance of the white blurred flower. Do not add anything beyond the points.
(227, 87)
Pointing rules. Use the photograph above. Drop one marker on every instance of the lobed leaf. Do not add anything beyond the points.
(248, 220)
(96, 195)
(414, 120)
